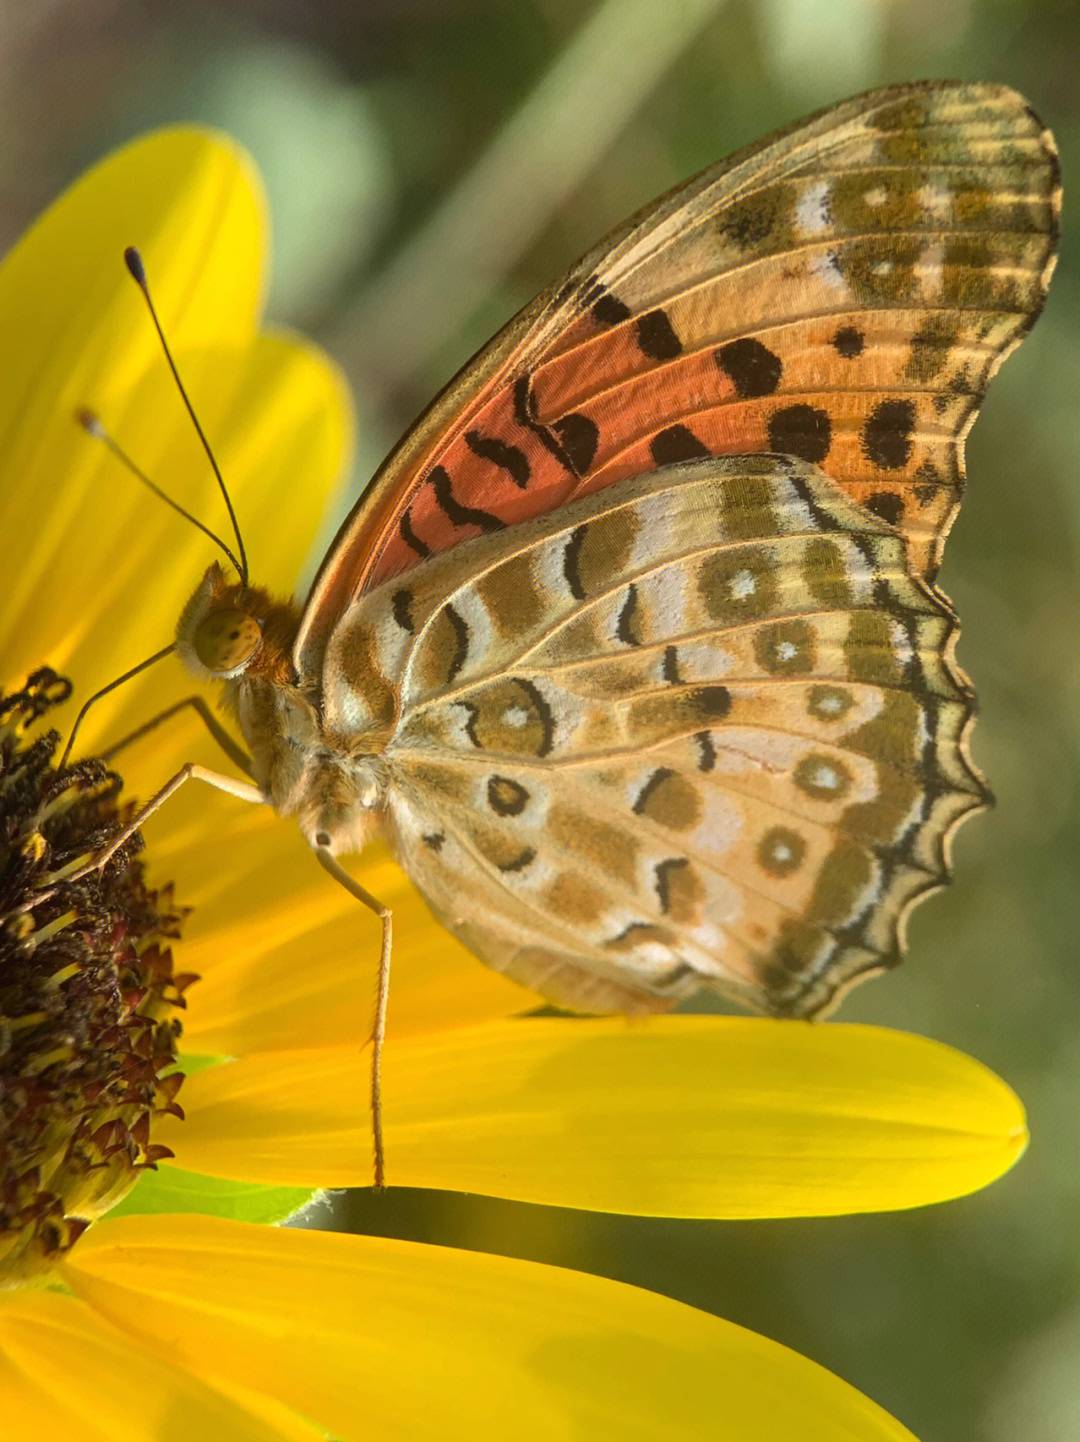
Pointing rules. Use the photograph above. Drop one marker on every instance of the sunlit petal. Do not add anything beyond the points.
(104, 567)
(674, 1116)
(63, 1373)
(102, 596)
(377, 1338)
(295, 965)
(170, 194)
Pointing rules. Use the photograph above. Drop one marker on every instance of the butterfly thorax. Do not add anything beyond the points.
(243, 637)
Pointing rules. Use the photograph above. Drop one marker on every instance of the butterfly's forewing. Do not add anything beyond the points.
(840, 292)
(703, 729)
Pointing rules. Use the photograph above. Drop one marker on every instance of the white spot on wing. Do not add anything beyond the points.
(901, 642)
(812, 209)
(704, 661)
(825, 269)
(935, 200)
(743, 584)
(826, 777)
(931, 269)
(662, 598)
(860, 572)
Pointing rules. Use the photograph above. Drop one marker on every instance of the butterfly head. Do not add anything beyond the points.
(228, 629)
(218, 636)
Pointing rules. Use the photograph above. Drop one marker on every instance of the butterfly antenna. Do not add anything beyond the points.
(91, 423)
(142, 666)
(133, 261)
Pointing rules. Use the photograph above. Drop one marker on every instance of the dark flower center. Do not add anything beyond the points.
(88, 996)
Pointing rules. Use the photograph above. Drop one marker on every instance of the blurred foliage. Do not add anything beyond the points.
(386, 129)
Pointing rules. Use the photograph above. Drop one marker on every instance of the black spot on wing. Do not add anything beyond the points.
(460, 628)
(543, 713)
(848, 342)
(411, 539)
(454, 511)
(671, 665)
(676, 443)
(674, 975)
(472, 713)
(714, 701)
(579, 436)
(663, 872)
(435, 840)
(656, 336)
(567, 289)
(571, 557)
(802, 431)
(751, 367)
(659, 776)
(525, 403)
(706, 751)
(608, 310)
(572, 439)
(524, 858)
(508, 458)
(888, 505)
(627, 628)
(401, 609)
(633, 935)
(927, 483)
(506, 797)
(823, 519)
(887, 434)
(590, 290)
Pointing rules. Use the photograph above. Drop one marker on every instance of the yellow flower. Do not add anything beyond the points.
(244, 1331)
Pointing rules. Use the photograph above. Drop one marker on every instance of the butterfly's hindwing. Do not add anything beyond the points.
(700, 730)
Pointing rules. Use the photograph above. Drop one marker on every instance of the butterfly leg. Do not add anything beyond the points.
(378, 1035)
(235, 752)
(244, 790)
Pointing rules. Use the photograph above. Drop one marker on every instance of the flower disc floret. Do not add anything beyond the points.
(88, 996)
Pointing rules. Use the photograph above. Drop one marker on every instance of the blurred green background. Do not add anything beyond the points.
(433, 163)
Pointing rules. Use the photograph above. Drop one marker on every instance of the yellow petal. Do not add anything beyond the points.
(373, 1338)
(672, 1116)
(63, 1373)
(294, 964)
(96, 568)
(105, 589)
(73, 319)
(192, 202)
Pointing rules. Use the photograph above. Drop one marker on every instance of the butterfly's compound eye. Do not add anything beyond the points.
(226, 640)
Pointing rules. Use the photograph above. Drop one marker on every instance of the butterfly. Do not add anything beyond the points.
(632, 649)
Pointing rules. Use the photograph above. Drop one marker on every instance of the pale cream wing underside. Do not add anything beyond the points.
(704, 729)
